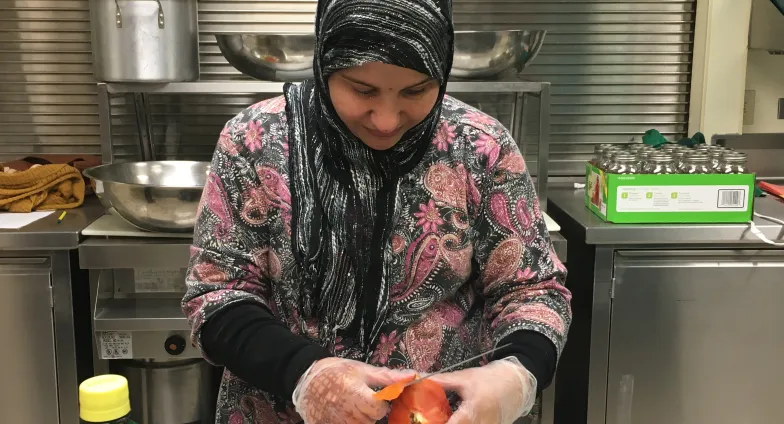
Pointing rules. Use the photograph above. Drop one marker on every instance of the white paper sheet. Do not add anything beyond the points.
(14, 221)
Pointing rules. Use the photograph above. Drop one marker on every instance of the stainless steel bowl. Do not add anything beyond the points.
(484, 54)
(270, 57)
(154, 196)
(289, 57)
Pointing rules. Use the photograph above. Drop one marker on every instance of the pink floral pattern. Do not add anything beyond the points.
(445, 136)
(253, 136)
(469, 232)
(488, 146)
(429, 217)
(525, 275)
(483, 120)
(386, 345)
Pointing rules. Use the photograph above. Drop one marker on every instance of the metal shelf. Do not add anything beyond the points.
(128, 252)
(540, 90)
(139, 315)
(98, 253)
(261, 87)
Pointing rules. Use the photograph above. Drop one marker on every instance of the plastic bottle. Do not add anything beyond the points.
(104, 400)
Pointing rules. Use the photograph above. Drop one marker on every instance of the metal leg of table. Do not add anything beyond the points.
(600, 336)
(105, 123)
(100, 366)
(543, 151)
(65, 342)
(516, 128)
(548, 405)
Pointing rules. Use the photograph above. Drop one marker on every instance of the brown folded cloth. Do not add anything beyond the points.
(80, 162)
(44, 187)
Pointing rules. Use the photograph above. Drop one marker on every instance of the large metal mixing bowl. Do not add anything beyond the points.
(484, 54)
(154, 196)
(289, 57)
(270, 57)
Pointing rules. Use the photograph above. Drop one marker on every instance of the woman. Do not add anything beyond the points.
(363, 225)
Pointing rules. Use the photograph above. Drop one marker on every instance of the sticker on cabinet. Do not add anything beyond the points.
(116, 345)
(152, 280)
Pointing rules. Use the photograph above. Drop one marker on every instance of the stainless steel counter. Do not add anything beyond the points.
(639, 288)
(47, 234)
(111, 253)
(570, 202)
(36, 272)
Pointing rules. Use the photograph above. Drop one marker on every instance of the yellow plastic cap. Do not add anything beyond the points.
(104, 398)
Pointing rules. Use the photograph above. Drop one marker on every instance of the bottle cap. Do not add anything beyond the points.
(104, 398)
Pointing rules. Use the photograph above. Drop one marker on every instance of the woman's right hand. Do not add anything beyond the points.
(336, 390)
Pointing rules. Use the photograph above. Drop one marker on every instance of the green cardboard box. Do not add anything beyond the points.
(676, 198)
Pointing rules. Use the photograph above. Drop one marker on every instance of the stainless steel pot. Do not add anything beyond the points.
(170, 392)
(145, 40)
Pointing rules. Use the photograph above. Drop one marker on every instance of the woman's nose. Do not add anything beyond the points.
(385, 118)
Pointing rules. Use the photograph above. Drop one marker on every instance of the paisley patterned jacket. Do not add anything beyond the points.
(470, 255)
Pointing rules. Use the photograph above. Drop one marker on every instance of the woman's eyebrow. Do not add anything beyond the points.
(356, 81)
(424, 81)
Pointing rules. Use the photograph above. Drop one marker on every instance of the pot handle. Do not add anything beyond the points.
(118, 14)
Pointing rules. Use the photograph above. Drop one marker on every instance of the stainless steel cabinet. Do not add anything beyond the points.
(696, 337)
(28, 372)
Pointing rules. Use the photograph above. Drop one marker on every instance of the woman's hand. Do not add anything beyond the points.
(497, 393)
(336, 390)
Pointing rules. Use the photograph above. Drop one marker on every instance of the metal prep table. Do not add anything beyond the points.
(521, 89)
(124, 253)
(139, 327)
(672, 323)
(39, 357)
(137, 279)
(120, 261)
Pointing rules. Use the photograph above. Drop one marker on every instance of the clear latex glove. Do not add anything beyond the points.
(335, 390)
(497, 393)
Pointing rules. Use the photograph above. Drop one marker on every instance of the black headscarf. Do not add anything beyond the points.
(344, 192)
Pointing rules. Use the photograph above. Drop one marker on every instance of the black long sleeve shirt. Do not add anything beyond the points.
(256, 347)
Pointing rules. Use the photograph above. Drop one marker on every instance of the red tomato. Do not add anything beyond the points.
(421, 403)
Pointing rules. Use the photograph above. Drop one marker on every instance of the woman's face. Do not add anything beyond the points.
(380, 102)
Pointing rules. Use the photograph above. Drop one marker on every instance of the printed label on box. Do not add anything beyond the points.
(731, 198)
(116, 345)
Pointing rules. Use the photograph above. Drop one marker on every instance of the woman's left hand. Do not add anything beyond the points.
(497, 393)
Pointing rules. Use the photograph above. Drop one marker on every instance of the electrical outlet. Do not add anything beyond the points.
(781, 108)
(748, 107)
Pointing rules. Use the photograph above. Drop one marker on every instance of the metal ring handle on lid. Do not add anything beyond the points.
(118, 14)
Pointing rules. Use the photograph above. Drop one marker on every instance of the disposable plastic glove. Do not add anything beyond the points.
(497, 393)
(336, 390)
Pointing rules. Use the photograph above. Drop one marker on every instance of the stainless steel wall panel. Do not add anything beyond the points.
(618, 68)
(47, 93)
